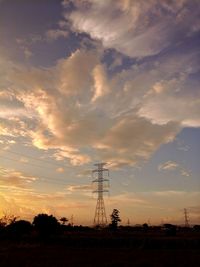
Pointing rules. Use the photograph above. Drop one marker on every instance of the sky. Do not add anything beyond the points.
(88, 81)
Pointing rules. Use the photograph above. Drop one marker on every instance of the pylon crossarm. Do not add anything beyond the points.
(102, 180)
(101, 191)
(100, 170)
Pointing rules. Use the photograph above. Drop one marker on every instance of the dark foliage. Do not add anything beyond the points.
(46, 225)
(7, 220)
(64, 220)
(196, 228)
(170, 229)
(115, 219)
(19, 228)
(145, 227)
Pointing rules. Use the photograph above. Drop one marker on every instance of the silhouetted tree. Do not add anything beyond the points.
(115, 219)
(45, 224)
(19, 228)
(2, 223)
(64, 220)
(145, 227)
(196, 228)
(7, 219)
(170, 229)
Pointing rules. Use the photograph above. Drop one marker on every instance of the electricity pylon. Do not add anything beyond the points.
(186, 218)
(100, 212)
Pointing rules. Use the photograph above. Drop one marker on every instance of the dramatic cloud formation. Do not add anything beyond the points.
(65, 118)
(135, 28)
(71, 110)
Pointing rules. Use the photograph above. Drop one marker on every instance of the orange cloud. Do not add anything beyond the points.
(12, 178)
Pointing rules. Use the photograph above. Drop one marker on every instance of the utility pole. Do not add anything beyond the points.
(98, 175)
(186, 216)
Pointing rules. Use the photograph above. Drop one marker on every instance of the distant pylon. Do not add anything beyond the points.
(100, 212)
(72, 220)
(186, 216)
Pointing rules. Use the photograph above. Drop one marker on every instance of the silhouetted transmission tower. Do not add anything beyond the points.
(186, 218)
(100, 212)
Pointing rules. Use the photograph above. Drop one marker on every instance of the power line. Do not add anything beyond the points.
(41, 179)
(32, 164)
(34, 158)
(33, 192)
(46, 180)
(26, 163)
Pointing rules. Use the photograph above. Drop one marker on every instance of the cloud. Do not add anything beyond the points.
(174, 166)
(12, 127)
(10, 206)
(28, 43)
(24, 46)
(194, 210)
(182, 146)
(100, 82)
(56, 34)
(76, 158)
(169, 193)
(27, 204)
(161, 109)
(185, 173)
(82, 112)
(5, 95)
(131, 198)
(7, 142)
(60, 170)
(23, 160)
(169, 165)
(73, 188)
(27, 53)
(7, 112)
(135, 28)
(75, 73)
(134, 134)
(84, 173)
(12, 178)
(168, 98)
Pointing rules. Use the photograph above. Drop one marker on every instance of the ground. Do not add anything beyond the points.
(103, 249)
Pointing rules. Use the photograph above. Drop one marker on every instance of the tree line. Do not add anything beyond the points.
(44, 225)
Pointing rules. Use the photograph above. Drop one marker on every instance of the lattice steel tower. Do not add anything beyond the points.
(186, 216)
(100, 212)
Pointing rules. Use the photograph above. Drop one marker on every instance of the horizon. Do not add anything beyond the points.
(90, 81)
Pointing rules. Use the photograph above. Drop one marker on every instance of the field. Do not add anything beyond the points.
(98, 248)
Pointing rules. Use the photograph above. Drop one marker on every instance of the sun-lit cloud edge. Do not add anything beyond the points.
(109, 129)
(174, 166)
